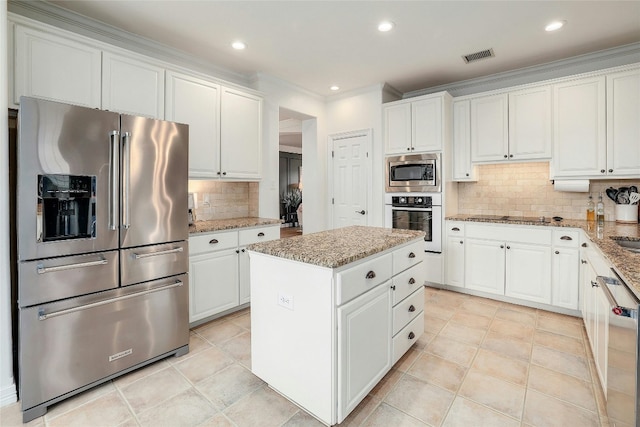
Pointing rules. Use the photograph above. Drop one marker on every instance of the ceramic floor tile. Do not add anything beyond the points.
(560, 325)
(204, 364)
(229, 385)
(218, 420)
(562, 362)
(525, 317)
(502, 396)
(408, 358)
(472, 320)
(361, 412)
(302, 419)
(386, 384)
(145, 371)
(562, 317)
(463, 333)
(157, 387)
(564, 387)
(426, 402)
(500, 366)
(239, 348)
(11, 416)
(186, 409)
(438, 371)
(437, 310)
(386, 416)
(449, 298)
(105, 411)
(465, 413)
(244, 320)
(547, 411)
(451, 350)
(220, 331)
(513, 330)
(481, 307)
(264, 407)
(79, 399)
(507, 346)
(423, 340)
(433, 325)
(559, 342)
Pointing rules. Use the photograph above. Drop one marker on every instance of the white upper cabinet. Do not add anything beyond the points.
(530, 124)
(56, 68)
(579, 131)
(462, 167)
(132, 86)
(196, 102)
(416, 126)
(511, 126)
(489, 128)
(623, 124)
(240, 134)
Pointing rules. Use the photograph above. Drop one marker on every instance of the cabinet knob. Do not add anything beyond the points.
(237, 251)
(505, 156)
(501, 246)
(393, 287)
(243, 250)
(610, 170)
(412, 281)
(411, 335)
(408, 149)
(466, 174)
(412, 255)
(557, 252)
(261, 234)
(213, 241)
(508, 247)
(455, 229)
(602, 171)
(460, 241)
(371, 274)
(584, 245)
(583, 261)
(412, 148)
(218, 172)
(224, 173)
(566, 238)
(411, 308)
(510, 155)
(594, 284)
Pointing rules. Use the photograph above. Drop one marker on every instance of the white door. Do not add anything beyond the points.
(484, 265)
(528, 272)
(351, 166)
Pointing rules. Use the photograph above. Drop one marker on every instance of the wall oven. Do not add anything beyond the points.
(416, 211)
(413, 173)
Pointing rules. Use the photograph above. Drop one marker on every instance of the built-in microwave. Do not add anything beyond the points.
(413, 173)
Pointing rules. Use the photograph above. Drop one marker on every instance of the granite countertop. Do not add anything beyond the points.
(625, 262)
(338, 247)
(229, 224)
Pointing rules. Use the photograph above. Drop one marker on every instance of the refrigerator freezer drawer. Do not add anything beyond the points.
(72, 343)
(146, 263)
(58, 278)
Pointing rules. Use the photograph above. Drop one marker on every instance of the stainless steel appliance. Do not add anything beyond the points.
(416, 211)
(623, 364)
(102, 247)
(413, 173)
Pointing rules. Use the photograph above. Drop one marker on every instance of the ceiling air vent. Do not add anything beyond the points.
(477, 56)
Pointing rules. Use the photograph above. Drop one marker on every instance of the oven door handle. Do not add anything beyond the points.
(400, 208)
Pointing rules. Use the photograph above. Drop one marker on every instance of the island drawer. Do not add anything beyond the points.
(362, 278)
(260, 234)
(213, 242)
(407, 310)
(408, 282)
(407, 337)
(407, 256)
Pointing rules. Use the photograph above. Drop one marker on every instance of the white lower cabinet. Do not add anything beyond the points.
(528, 272)
(484, 265)
(454, 254)
(219, 269)
(350, 324)
(565, 269)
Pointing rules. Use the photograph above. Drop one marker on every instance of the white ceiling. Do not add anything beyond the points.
(315, 44)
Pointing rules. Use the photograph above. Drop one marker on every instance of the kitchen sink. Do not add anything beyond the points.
(631, 245)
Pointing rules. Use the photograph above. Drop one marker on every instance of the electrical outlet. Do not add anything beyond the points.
(285, 300)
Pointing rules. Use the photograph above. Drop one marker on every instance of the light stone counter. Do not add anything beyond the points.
(230, 224)
(625, 262)
(335, 248)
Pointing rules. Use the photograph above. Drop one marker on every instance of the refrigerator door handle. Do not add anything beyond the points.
(43, 270)
(126, 179)
(45, 316)
(150, 254)
(113, 186)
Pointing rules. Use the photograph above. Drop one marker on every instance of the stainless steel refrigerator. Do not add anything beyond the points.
(102, 249)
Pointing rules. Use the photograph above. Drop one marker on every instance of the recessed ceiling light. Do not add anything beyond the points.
(555, 25)
(334, 88)
(238, 45)
(385, 26)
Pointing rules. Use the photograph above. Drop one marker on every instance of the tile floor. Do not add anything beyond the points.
(479, 363)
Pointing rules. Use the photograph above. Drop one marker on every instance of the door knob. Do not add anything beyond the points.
(362, 212)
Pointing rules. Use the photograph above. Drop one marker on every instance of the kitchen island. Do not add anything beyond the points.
(331, 312)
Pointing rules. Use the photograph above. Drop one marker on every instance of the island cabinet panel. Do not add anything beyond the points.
(325, 336)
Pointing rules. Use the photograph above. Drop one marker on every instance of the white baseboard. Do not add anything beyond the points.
(8, 394)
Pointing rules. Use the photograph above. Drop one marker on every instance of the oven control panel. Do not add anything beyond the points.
(411, 201)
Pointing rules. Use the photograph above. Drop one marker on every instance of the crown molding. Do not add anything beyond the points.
(258, 78)
(59, 17)
(608, 58)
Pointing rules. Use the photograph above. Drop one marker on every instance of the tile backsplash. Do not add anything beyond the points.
(524, 189)
(222, 200)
